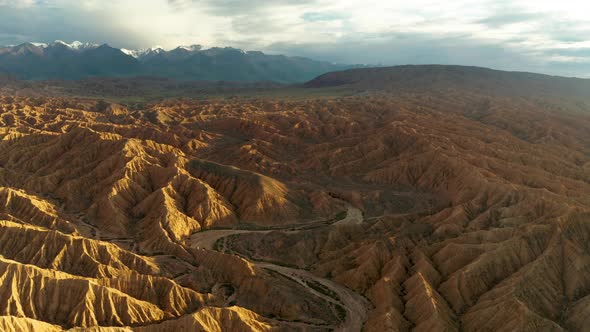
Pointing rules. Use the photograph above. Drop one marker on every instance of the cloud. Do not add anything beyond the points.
(403, 48)
(17, 3)
(48, 22)
(543, 35)
(503, 19)
(321, 16)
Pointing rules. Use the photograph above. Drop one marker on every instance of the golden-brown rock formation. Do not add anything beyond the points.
(454, 210)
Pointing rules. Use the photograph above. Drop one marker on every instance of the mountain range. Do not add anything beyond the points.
(60, 60)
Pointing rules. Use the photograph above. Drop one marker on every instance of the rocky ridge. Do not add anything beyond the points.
(474, 213)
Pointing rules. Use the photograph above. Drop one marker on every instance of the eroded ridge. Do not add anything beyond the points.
(414, 211)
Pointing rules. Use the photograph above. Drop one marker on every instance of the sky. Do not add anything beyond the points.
(544, 36)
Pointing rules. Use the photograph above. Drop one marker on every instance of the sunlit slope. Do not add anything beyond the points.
(463, 210)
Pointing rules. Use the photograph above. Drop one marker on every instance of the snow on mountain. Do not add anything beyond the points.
(151, 51)
(75, 45)
(191, 48)
(133, 53)
(137, 53)
(194, 62)
(42, 45)
(143, 52)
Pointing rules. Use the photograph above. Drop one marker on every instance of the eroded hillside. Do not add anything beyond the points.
(425, 212)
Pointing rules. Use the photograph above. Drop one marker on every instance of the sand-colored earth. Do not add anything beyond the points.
(458, 210)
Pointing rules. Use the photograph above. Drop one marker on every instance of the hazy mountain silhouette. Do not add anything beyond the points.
(76, 61)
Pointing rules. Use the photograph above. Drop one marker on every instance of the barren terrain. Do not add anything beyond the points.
(390, 209)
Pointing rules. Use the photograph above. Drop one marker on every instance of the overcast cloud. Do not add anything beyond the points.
(542, 36)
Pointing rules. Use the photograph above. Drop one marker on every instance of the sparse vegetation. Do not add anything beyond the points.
(320, 288)
(341, 312)
(340, 215)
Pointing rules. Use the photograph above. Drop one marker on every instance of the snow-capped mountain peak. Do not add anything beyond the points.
(143, 52)
(79, 45)
(182, 62)
(136, 53)
(153, 50)
(75, 45)
(133, 53)
(42, 45)
(191, 48)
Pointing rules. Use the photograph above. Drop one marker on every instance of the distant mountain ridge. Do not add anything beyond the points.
(430, 78)
(61, 60)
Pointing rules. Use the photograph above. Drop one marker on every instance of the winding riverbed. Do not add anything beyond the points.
(356, 306)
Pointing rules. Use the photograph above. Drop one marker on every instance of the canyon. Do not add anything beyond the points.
(418, 198)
